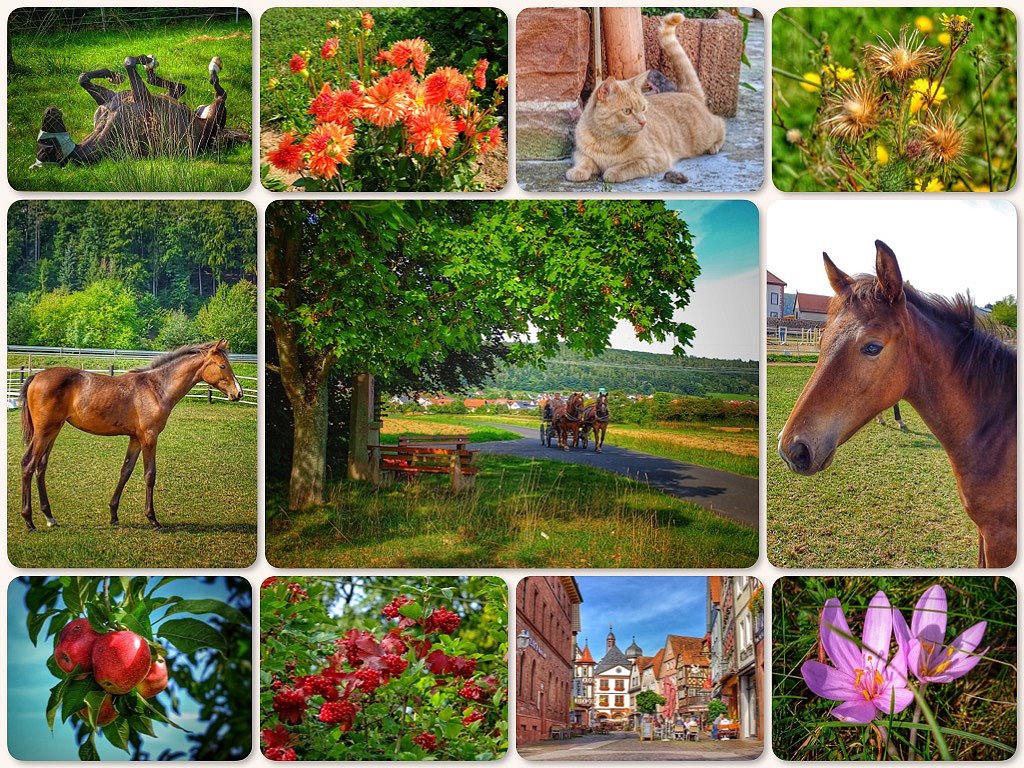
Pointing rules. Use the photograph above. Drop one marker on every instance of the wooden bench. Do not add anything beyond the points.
(560, 733)
(388, 461)
(435, 441)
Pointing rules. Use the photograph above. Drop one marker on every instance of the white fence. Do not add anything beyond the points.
(16, 376)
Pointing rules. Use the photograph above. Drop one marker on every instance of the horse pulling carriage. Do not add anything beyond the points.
(560, 418)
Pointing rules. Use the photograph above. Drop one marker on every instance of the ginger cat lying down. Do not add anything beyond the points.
(625, 135)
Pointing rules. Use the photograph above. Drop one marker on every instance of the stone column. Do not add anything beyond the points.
(622, 33)
(363, 430)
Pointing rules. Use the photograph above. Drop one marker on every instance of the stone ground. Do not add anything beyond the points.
(626, 746)
(738, 167)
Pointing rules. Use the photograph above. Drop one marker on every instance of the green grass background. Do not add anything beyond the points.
(46, 73)
(205, 496)
(888, 500)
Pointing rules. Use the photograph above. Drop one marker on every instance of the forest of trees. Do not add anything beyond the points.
(634, 372)
(131, 274)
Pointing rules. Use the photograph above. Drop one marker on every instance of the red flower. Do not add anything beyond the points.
(279, 753)
(328, 145)
(391, 610)
(332, 106)
(296, 594)
(395, 665)
(426, 740)
(501, 82)
(297, 64)
(489, 140)
(329, 49)
(269, 582)
(290, 704)
(473, 717)
(403, 80)
(442, 621)
(412, 52)
(446, 83)
(341, 713)
(367, 21)
(279, 737)
(480, 73)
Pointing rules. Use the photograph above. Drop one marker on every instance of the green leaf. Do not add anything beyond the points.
(160, 716)
(74, 696)
(161, 582)
(411, 610)
(209, 605)
(188, 635)
(52, 706)
(128, 621)
(117, 733)
(72, 599)
(88, 750)
(35, 623)
(142, 724)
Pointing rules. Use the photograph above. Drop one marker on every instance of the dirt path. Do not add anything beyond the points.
(729, 495)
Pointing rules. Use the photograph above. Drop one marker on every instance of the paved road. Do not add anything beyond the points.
(626, 746)
(724, 493)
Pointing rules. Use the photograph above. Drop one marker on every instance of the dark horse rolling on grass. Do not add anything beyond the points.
(136, 122)
(885, 341)
(136, 404)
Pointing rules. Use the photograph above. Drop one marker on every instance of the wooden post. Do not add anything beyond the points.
(375, 464)
(359, 427)
(456, 467)
(622, 31)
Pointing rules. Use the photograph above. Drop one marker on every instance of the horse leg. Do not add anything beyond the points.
(100, 95)
(28, 468)
(44, 499)
(214, 116)
(132, 456)
(176, 90)
(149, 465)
(139, 89)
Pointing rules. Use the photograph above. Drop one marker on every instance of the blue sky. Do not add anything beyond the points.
(648, 607)
(724, 306)
(29, 683)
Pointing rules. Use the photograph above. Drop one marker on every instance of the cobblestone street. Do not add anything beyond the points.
(627, 746)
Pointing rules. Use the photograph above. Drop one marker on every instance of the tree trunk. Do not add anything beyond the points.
(623, 33)
(309, 451)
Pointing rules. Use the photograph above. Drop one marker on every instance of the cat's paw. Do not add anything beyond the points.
(577, 174)
(615, 175)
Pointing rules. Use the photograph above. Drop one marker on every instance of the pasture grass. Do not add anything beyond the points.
(394, 426)
(889, 499)
(205, 496)
(46, 73)
(730, 449)
(520, 513)
(978, 712)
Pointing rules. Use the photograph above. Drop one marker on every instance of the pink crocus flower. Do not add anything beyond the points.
(922, 643)
(862, 678)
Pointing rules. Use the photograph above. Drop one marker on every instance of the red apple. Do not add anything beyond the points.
(120, 661)
(155, 681)
(106, 715)
(74, 646)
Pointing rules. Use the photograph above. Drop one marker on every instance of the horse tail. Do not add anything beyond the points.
(28, 429)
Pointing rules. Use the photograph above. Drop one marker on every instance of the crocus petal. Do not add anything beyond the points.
(896, 696)
(913, 658)
(905, 642)
(878, 628)
(970, 638)
(958, 667)
(836, 637)
(929, 619)
(828, 682)
(858, 711)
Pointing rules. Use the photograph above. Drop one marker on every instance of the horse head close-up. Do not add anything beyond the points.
(883, 342)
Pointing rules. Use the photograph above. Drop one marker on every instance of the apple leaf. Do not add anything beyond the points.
(161, 582)
(88, 750)
(74, 696)
(93, 701)
(209, 605)
(142, 724)
(51, 664)
(160, 716)
(117, 733)
(72, 599)
(36, 621)
(52, 706)
(188, 635)
(128, 621)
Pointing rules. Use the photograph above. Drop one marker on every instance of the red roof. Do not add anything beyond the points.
(773, 280)
(474, 402)
(812, 302)
(585, 657)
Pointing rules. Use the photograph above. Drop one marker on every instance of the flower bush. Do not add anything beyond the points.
(405, 684)
(926, 106)
(894, 692)
(376, 119)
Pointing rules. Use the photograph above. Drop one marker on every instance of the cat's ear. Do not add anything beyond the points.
(606, 89)
(640, 81)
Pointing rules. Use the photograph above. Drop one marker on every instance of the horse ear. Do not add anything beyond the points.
(890, 279)
(221, 345)
(839, 280)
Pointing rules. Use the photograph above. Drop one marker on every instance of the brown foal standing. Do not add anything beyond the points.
(135, 403)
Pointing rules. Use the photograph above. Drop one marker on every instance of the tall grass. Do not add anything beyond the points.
(46, 73)
(976, 715)
(205, 496)
(888, 499)
(521, 513)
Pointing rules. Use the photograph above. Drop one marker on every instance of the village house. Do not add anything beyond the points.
(811, 306)
(775, 300)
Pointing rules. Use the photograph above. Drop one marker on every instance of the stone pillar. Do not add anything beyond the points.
(363, 430)
(552, 53)
(622, 36)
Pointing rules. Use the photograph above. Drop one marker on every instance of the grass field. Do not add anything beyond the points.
(426, 425)
(888, 500)
(521, 513)
(46, 72)
(206, 496)
(730, 449)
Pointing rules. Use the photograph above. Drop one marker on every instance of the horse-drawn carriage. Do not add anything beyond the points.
(560, 417)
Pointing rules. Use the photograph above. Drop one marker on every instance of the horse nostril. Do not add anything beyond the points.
(799, 456)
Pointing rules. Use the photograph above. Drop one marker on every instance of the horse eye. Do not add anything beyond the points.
(872, 349)
(221, 367)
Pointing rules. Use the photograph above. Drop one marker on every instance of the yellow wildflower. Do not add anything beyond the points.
(924, 92)
(811, 82)
(932, 186)
(944, 38)
(924, 25)
(881, 154)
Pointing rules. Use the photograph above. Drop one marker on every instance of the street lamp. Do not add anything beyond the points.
(523, 641)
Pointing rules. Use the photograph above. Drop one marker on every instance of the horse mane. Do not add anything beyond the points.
(980, 355)
(176, 354)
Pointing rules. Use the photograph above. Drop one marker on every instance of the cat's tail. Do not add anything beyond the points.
(685, 75)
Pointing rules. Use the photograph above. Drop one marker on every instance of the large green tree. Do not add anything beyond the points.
(389, 286)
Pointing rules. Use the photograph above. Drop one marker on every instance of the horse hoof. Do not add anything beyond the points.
(51, 523)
